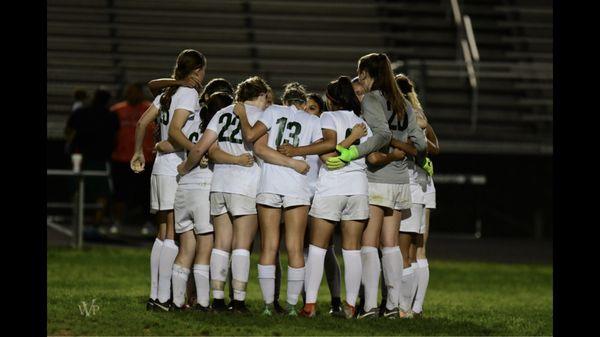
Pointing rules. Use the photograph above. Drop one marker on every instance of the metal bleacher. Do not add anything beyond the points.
(108, 43)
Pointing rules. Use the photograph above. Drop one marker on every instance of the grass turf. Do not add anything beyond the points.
(463, 298)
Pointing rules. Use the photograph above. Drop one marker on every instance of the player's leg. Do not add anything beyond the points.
(370, 260)
(185, 201)
(204, 231)
(219, 258)
(167, 257)
(422, 271)
(321, 231)
(181, 267)
(204, 246)
(392, 261)
(352, 231)
(245, 225)
(269, 247)
(295, 227)
(155, 258)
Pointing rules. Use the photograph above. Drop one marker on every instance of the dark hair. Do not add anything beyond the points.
(215, 102)
(101, 98)
(341, 94)
(215, 85)
(187, 61)
(250, 89)
(317, 98)
(378, 66)
(293, 92)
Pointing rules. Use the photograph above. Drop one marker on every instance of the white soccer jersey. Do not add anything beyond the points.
(230, 178)
(197, 178)
(352, 178)
(184, 98)
(299, 128)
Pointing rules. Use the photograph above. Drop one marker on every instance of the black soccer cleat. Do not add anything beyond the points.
(239, 307)
(336, 306)
(391, 314)
(382, 306)
(218, 305)
(373, 313)
(159, 306)
(150, 305)
(199, 307)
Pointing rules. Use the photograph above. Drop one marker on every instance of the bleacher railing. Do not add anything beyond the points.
(470, 54)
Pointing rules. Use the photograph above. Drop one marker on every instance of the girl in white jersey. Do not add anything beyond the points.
(341, 196)
(315, 106)
(281, 186)
(415, 229)
(192, 212)
(163, 181)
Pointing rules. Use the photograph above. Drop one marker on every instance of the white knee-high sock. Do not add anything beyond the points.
(333, 273)
(408, 278)
(413, 290)
(392, 269)
(371, 267)
(422, 273)
(295, 281)
(240, 269)
(179, 279)
(352, 274)
(266, 278)
(154, 261)
(168, 254)
(314, 272)
(201, 278)
(219, 268)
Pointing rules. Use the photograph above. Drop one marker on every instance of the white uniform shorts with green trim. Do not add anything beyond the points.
(236, 204)
(415, 223)
(278, 200)
(192, 211)
(394, 196)
(340, 207)
(162, 192)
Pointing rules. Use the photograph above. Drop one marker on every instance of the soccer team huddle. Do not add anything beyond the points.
(230, 163)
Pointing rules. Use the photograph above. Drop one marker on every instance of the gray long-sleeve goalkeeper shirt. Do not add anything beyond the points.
(384, 124)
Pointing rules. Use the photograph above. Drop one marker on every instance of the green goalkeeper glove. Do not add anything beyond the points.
(428, 167)
(346, 156)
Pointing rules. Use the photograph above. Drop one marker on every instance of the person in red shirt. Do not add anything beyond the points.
(128, 185)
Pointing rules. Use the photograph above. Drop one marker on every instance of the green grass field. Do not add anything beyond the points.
(464, 298)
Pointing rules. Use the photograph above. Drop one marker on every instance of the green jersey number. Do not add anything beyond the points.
(164, 117)
(293, 136)
(229, 122)
(194, 137)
